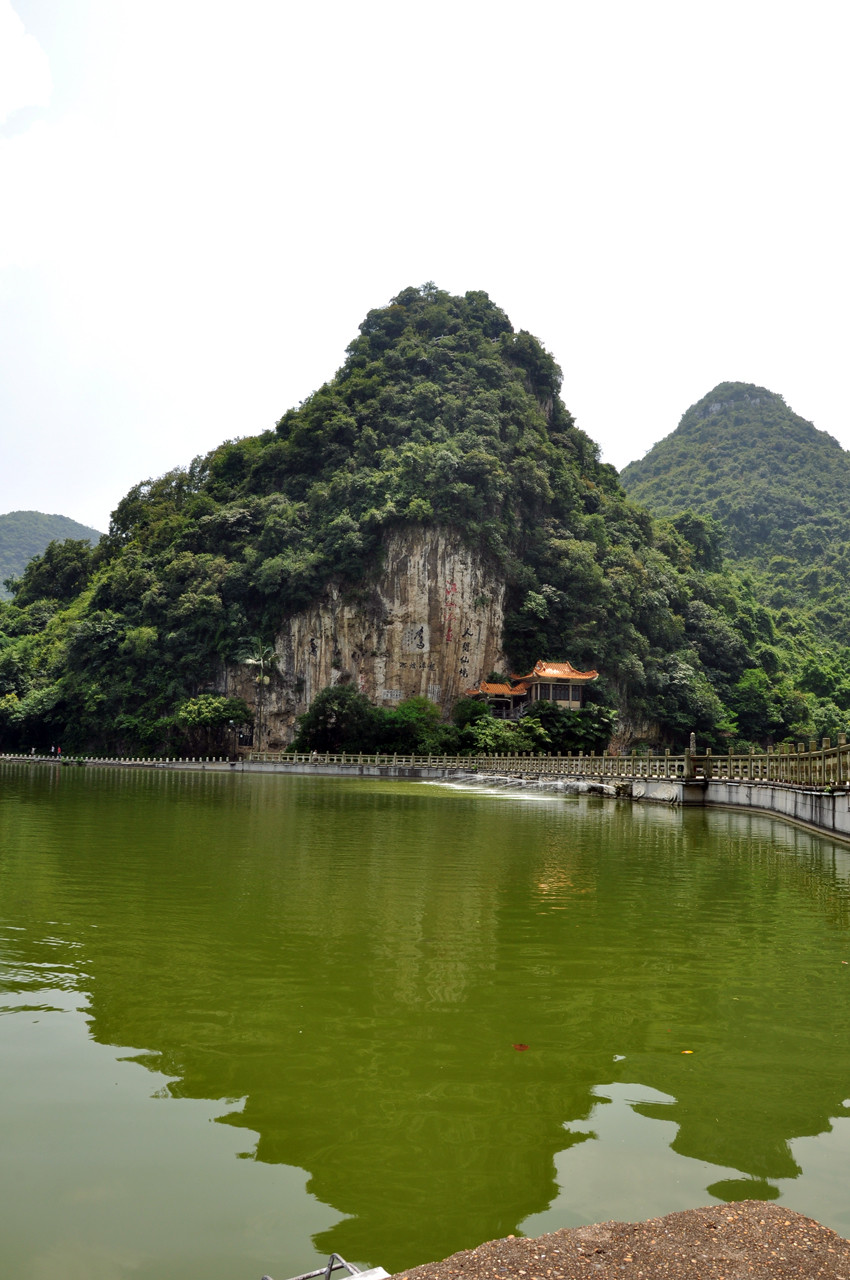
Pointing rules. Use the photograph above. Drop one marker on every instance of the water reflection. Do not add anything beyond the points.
(629, 1159)
(100, 1182)
(353, 964)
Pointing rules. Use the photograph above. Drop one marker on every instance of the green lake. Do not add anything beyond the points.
(248, 1020)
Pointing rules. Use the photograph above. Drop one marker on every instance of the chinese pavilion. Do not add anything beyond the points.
(547, 682)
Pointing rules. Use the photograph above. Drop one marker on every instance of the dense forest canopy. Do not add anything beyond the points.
(442, 414)
(771, 479)
(777, 492)
(24, 534)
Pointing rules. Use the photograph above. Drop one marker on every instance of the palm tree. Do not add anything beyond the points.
(257, 653)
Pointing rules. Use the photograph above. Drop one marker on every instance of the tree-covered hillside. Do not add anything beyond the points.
(740, 455)
(778, 492)
(442, 414)
(24, 534)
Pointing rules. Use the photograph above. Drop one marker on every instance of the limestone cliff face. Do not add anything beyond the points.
(428, 624)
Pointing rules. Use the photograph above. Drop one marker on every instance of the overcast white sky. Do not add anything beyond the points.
(200, 200)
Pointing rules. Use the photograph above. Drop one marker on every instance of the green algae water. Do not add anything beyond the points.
(248, 1020)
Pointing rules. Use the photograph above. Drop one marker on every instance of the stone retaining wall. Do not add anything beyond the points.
(819, 810)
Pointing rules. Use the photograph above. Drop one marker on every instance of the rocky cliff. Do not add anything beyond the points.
(429, 624)
(341, 538)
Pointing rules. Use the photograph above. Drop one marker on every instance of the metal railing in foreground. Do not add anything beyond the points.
(336, 1263)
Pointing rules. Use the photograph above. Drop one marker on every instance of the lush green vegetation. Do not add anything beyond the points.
(213, 722)
(775, 484)
(441, 414)
(776, 494)
(24, 534)
(342, 719)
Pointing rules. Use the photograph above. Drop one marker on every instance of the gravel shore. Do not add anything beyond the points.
(747, 1240)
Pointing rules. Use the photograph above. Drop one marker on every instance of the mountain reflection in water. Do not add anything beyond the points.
(355, 962)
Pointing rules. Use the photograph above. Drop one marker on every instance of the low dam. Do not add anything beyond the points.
(805, 784)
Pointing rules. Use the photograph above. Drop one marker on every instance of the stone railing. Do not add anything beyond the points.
(150, 761)
(802, 764)
(607, 766)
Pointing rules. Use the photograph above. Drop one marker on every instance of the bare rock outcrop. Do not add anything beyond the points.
(429, 624)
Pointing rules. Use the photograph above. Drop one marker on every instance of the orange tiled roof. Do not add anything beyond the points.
(496, 690)
(542, 671)
(557, 671)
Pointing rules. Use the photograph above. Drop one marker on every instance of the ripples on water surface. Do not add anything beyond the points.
(245, 1021)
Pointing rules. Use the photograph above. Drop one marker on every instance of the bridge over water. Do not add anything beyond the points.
(798, 764)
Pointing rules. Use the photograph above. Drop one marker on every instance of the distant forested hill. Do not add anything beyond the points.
(778, 492)
(777, 485)
(24, 534)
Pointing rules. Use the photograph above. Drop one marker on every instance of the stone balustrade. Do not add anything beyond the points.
(795, 764)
